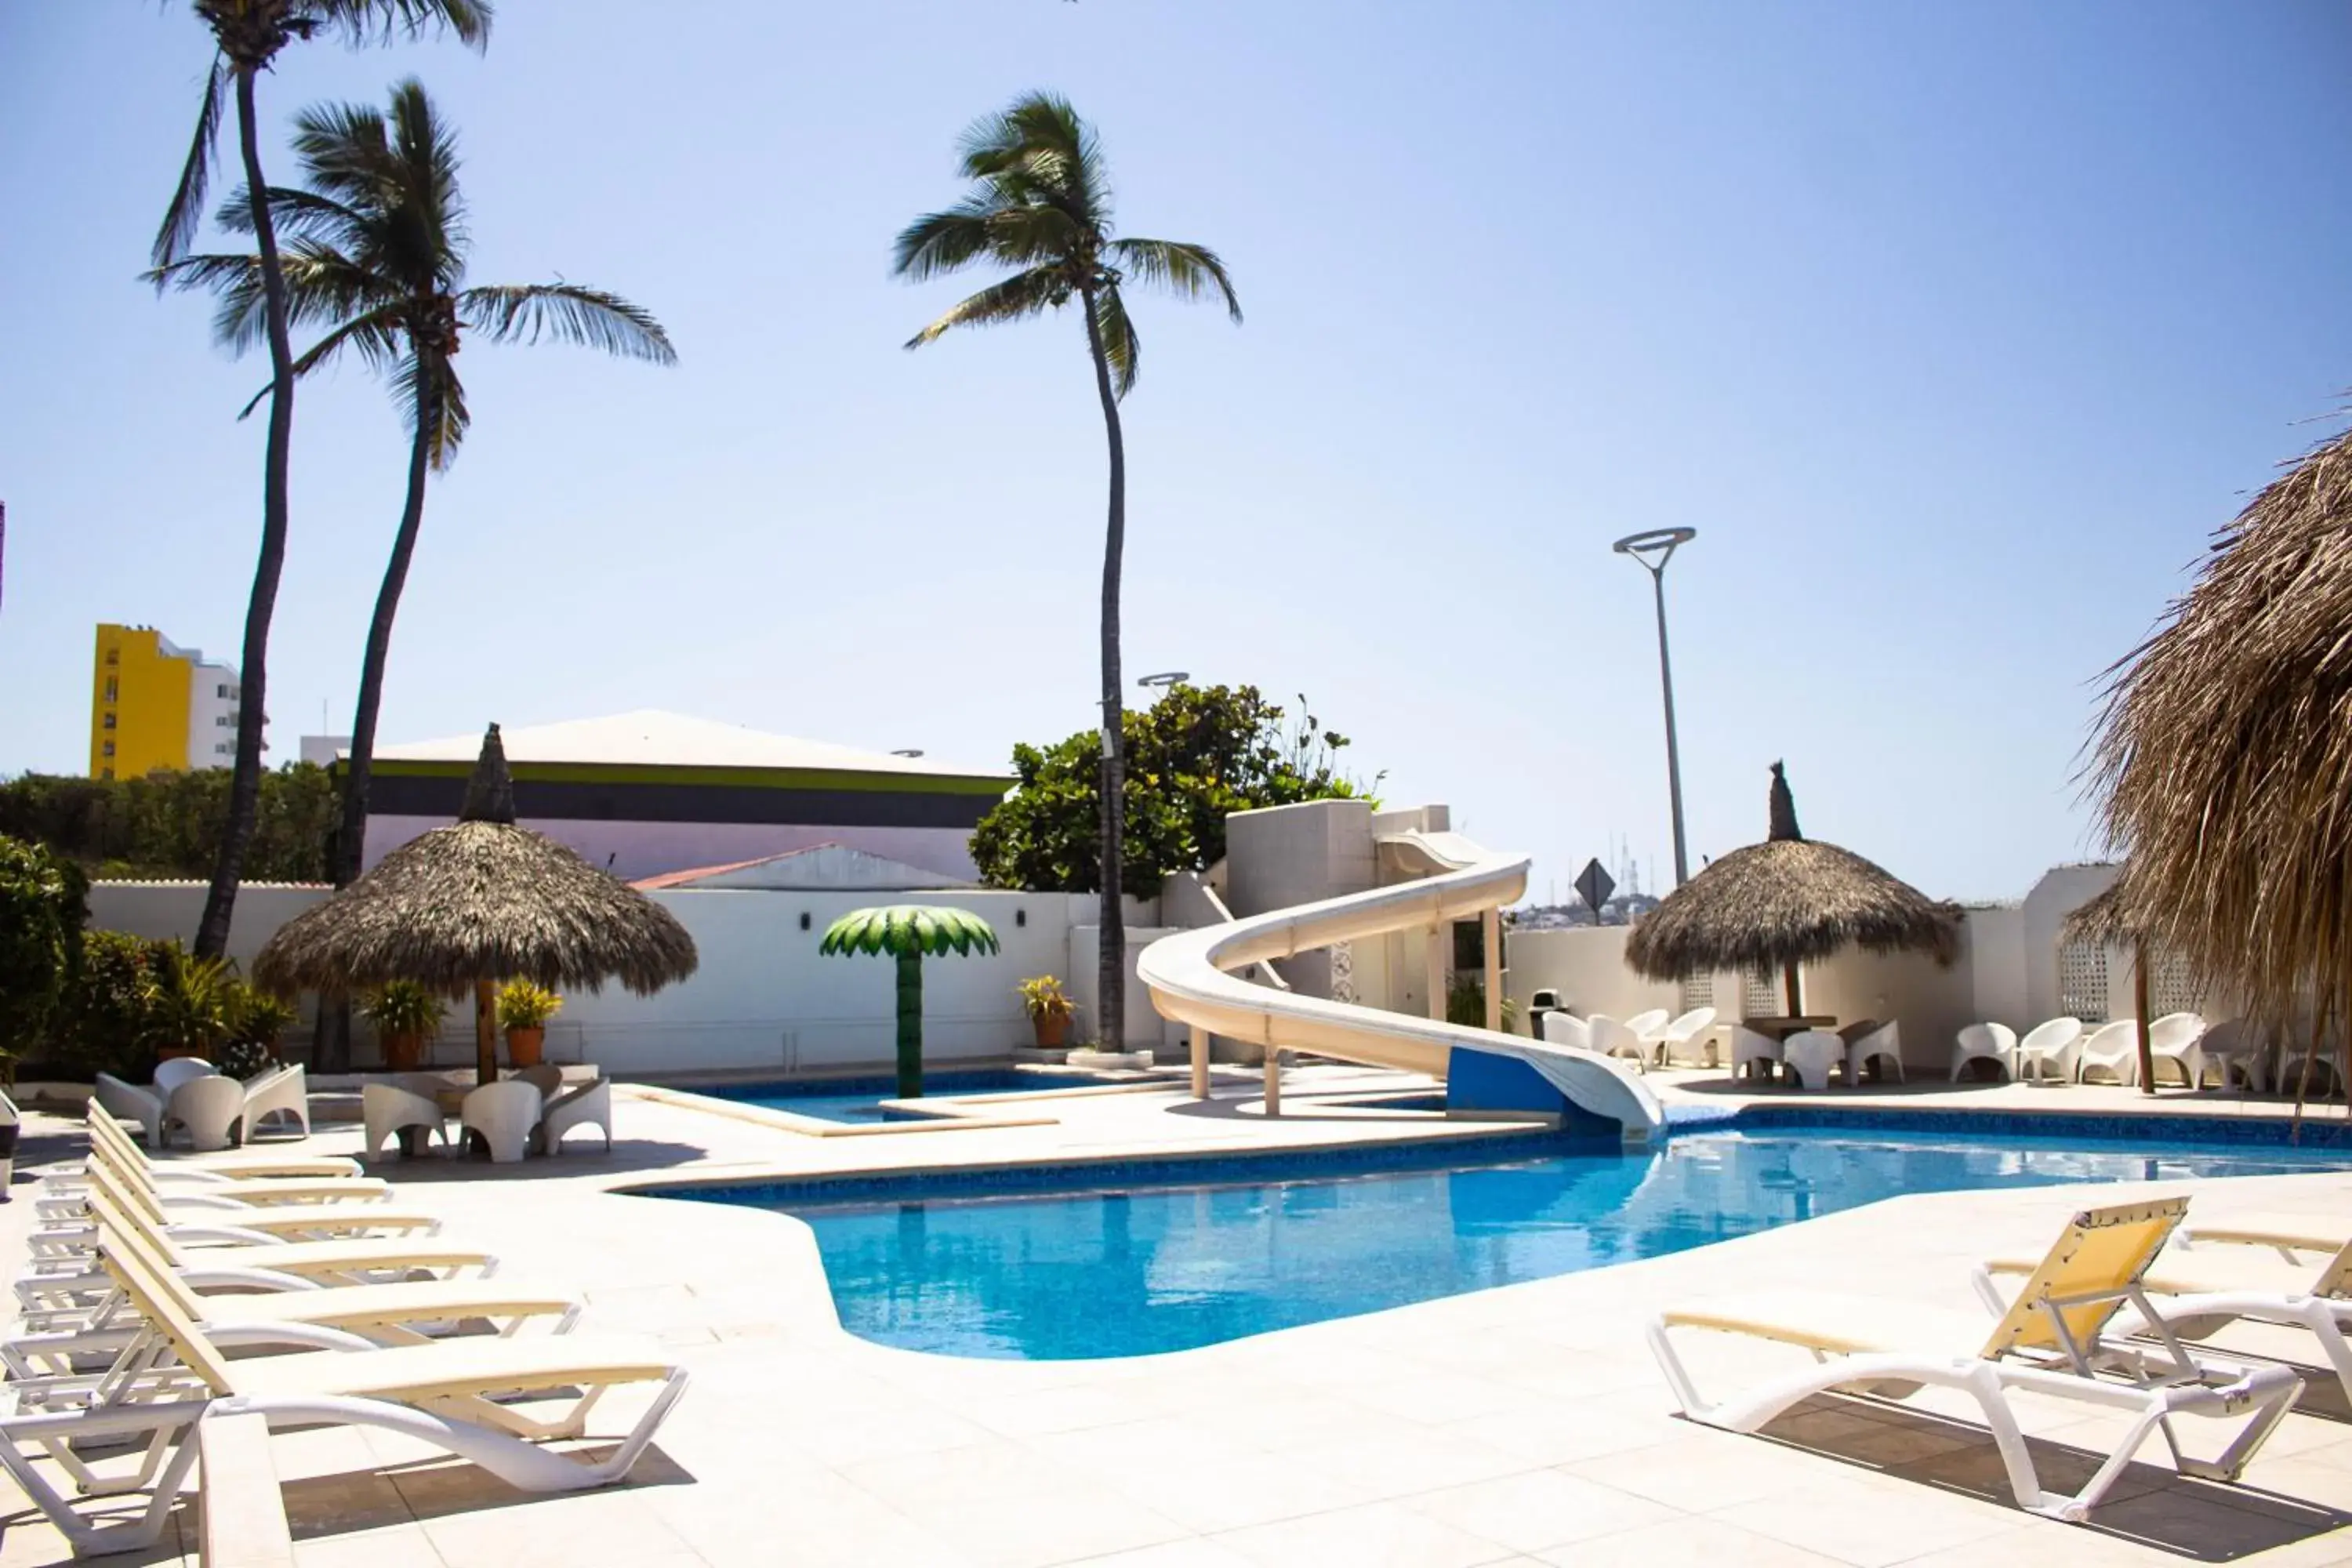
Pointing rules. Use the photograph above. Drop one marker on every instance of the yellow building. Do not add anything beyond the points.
(152, 705)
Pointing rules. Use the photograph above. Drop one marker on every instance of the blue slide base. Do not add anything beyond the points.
(1481, 1080)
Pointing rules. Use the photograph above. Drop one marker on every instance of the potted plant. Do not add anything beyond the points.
(403, 1014)
(190, 1000)
(1049, 1010)
(258, 1018)
(524, 1009)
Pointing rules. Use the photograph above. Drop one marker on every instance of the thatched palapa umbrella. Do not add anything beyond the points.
(477, 902)
(2102, 920)
(1782, 904)
(2225, 756)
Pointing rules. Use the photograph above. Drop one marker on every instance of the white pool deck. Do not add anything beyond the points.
(1521, 1425)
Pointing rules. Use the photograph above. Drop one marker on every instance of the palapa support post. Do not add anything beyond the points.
(1792, 987)
(2140, 1013)
(485, 1034)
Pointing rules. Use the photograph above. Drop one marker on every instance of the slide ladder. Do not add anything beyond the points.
(1189, 980)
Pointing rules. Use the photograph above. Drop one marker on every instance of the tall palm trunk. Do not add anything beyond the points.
(1110, 1011)
(244, 780)
(350, 833)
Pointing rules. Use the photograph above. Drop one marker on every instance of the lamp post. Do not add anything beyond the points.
(1164, 679)
(1654, 550)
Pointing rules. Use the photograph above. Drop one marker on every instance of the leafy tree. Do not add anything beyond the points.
(1040, 206)
(376, 253)
(247, 38)
(42, 908)
(1195, 755)
(104, 1021)
(169, 824)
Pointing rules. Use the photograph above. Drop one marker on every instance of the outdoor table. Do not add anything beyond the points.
(1779, 1029)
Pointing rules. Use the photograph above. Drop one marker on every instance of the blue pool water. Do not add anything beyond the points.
(860, 1099)
(1162, 1267)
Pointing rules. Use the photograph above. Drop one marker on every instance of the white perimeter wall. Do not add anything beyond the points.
(763, 998)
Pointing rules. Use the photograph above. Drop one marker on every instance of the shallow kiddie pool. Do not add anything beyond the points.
(861, 1099)
(1152, 1256)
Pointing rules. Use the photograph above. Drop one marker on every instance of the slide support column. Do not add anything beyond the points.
(1199, 1039)
(1434, 960)
(1491, 938)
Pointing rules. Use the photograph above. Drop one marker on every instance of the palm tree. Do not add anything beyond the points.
(375, 252)
(1040, 204)
(247, 36)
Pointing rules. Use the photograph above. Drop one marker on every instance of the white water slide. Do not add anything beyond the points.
(1189, 979)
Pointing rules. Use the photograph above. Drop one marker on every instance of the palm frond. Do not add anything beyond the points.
(1188, 271)
(363, 22)
(570, 313)
(1119, 342)
(419, 374)
(1038, 150)
(943, 242)
(187, 213)
(295, 211)
(1013, 299)
(376, 336)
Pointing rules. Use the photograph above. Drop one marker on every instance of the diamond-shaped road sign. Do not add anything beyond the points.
(1595, 884)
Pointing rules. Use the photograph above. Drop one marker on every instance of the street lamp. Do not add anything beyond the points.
(1164, 679)
(909, 752)
(1654, 550)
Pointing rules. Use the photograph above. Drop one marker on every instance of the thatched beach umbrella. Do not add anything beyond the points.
(2225, 756)
(1784, 903)
(2100, 919)
(477, 902)
(905, 932)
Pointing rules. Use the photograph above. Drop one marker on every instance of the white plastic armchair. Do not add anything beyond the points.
(281, 1091)
(129, 1102)
(1883, 1044)
(504, 1115)
(1613, 1037)
(2111, 1049)
(1684, 1032)
(2236, 1045)
(2049, 1049)
(1648, 1025)
(1810, 1053)
(171, 1074)
(1748, 1045)
(1567, 1029)
(386, 1107)
(210, 1107)
(1983, 1042)
(2177, 1039)
(583, 1105)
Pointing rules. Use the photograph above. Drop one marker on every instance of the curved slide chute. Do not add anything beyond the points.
(1187, 976)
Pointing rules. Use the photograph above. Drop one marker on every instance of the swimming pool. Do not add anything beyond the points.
(860, 1099)
(1174, 1264)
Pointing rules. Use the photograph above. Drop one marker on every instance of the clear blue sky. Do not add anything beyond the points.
(1954, 329)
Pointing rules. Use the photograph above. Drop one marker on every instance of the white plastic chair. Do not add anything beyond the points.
(1613, 1037)
(2110, 1049)
(2050, 1049)
(129, 1102)
(584, 1105)
(281, 1091)
(1748, 1045)
(385, 1109)
(2177, 1039)
(1884, 1042)
(2237, 1045)
(1567, 1029)
(1810, 1053)
(1683, 1032)
(504, 1115)
(1983, 1042)
(1648, 1025)
(171, 1074)
(210, 1106)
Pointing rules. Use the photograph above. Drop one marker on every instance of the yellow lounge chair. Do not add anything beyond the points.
(445, 1394)
(67, 1244)
(217, 1167)
(2049, 1340)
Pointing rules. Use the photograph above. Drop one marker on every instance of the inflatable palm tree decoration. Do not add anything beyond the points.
(906, 931)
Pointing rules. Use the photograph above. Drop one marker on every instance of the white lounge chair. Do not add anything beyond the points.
(386, 1107)
(2237, 1046)
(504, 1115)
(1679, 1034)
(1881, 1044)
(1567, 1029)
(1648, 1025)
(1983, 1042)
(69, 1203)
(145, 1105)
(2111, 1048)
(1748, 1048)
(1810, 1054)
(2051, 1340)
(583, 1105)
(235, 1167)
(446, 1393)
(210, 1109)
(223, 1214)
(2176, 1040)
(2048, 1050)
(281, 1091)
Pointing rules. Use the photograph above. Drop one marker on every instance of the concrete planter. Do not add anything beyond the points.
(1138, 1061)
(1028, 1056)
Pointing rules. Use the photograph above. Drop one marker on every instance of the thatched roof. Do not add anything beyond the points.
(2225, 753)
(481, 899)
(1790, 899)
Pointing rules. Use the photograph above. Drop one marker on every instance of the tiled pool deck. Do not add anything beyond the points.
(1520, 1425)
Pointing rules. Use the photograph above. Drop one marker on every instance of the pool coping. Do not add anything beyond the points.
(946, 1118)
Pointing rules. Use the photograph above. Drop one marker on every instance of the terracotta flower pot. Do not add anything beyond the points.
(523, 1046)
(404, 1053)
(1052, 1029)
